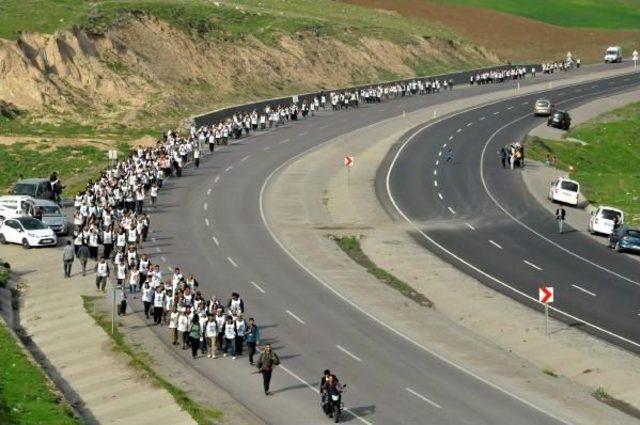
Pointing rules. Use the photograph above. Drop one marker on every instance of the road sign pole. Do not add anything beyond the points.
(546, 319)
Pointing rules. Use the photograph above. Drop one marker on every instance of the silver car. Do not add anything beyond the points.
(543, 107)
(53, 216)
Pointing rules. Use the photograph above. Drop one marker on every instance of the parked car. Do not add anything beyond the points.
(625, 239)
(36, 188)
(52, 216)
(13, 206)
(543, 107)
(28, 232)
(565, 191)
(613, 54)
(559, 119)
(603, 219)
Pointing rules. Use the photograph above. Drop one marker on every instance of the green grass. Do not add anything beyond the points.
(26, 397)
(74, 164)
(203, 415)
(610, 14)
(230, 20)
(607, 167)
(351, 246)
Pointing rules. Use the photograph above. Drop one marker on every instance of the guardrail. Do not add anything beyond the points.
(459, 77)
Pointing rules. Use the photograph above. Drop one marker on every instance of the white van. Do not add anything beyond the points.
(14, 206)
(613, 54)
(602, 220)
(565, 191)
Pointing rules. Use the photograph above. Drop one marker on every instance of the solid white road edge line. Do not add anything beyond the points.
(579, 288)
(295, 317)
(423, 398)
(233, 263)
(348, 353)
(495, 244)
(529, 263)
(257, 287)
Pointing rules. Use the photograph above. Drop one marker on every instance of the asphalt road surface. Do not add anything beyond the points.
(209, 223)
(481, 218)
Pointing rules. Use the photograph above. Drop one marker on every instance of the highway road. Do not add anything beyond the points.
(481, 218)
(209, 223)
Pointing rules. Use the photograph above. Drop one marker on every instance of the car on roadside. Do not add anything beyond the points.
(625, 239)
(52, 216)
(13, 206)
(559, 119)
(602, 220)
(36, 188)
(542, 107)
(613, 54)
(565, 191)
(28, 232)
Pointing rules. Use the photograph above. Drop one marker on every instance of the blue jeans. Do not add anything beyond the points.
(230, 345)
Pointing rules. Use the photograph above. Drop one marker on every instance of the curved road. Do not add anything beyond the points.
(209, 223)
(497, 232)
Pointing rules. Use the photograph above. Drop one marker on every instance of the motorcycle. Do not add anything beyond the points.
(332, 404)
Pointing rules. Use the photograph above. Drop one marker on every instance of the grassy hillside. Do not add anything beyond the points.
(611, 14)
(607, 166)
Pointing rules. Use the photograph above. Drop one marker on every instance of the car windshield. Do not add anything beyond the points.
(612, 52)
(23, 189)
(573, 187)
(634, 234)
(51, 210)
(609, 214)
(542, 103)
(33, 224)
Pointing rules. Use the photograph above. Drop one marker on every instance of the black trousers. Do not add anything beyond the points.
(266, 379)
(157, 315)
(252, 350)
(195, 343)
(147, 306)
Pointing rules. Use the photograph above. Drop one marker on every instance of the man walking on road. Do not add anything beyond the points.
(67, 258)
(267, 361)
(83, 256)
(561, 215)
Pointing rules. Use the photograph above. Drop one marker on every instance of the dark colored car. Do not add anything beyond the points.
(36, 188)
(625, 239)
(559, 119)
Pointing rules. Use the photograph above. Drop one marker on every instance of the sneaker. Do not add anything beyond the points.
(224, 355)
(234, 357)
(209, 356)
(215, 357)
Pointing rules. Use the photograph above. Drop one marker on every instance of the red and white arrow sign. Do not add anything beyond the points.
(348, 161)
(545, 294)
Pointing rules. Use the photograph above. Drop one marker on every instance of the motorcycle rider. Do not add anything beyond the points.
(330, 387)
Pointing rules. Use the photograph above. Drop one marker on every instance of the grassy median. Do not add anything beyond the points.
(607, 165)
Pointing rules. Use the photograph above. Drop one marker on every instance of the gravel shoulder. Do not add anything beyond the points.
(471, 325)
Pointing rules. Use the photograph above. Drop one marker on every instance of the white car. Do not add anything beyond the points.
(28, 232)
(13, 206)
(602, 220)
(613, 54)
(565, 191)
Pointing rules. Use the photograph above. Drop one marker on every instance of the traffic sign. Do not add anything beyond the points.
(348, 161)
(113, 155)
(545, 294)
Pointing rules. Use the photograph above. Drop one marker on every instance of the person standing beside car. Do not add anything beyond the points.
(561, 216)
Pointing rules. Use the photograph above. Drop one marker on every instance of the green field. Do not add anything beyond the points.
(224, 19)
(25, 395)
(607, 167)
(611, 14)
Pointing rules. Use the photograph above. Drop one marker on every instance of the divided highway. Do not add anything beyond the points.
(481, 218)
(210, 223)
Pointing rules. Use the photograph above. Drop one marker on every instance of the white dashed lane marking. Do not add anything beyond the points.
(206, 221)
(164, 259)
(435, 183)
(451, 210)
(157, 249)
(496, 113)
(217, 179)
(495, 244)
(509, 108)
(283, 141)
(229, 168)
(481, 118)
(304, 133)
(529, 263)
(348, 353)
(440, 196)
(469, 226)
(450, 137)
(244, 158)
(437, 162)
(257, 287)
(423, 398)
(233, 263)
(584, 290)
(435, 172)
(294, 316)
(444, 145)
(215, 240)
(208, 191)
(440, 153)
(458, 130)
(266, 148)
(469, 124)
(205, 206)
(524, 103)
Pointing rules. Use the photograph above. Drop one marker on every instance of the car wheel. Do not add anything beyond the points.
(25, 244)
(3, 240)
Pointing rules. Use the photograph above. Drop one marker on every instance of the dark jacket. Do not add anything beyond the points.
(83, 252)
(267, 361)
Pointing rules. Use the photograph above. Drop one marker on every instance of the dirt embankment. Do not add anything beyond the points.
(144, 69)
(512, 37)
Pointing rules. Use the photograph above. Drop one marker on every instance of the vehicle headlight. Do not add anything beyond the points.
(625, 238)
(32, 235)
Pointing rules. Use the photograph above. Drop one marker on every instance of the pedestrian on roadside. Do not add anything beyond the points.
(173, 324)
(241, 329)
(183, 327)
(196, 157)
(561, 216)
(211, 332)
(195, 335)
(267, 361)
(147, 297)
(68, 256)
(252, 337)
(102, 274)
(230, 338)
(83, 256)
(158, 305)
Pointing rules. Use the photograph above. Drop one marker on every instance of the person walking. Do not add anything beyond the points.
(158, 305)
(211, 332)
(83, 256)
(147, 297)
(173, 324)
(267, 361)
(67, 258)
(252, 337)
(561, 216)
(102, 274)
(230, 338)
(195, 335)
(196, 157)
